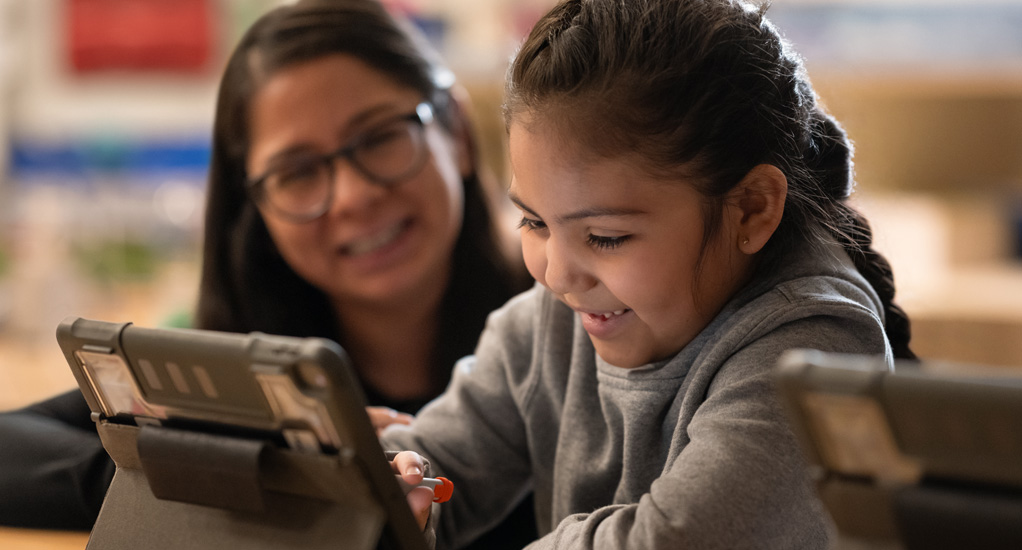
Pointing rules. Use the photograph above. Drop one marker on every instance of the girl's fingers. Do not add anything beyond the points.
(381, 417)
(420, 500)
(409, 465)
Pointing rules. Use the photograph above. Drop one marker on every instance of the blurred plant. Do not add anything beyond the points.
(117, 261)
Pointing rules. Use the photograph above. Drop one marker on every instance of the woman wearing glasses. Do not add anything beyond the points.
(344, 201)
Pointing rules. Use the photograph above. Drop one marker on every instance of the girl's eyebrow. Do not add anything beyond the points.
(591, 212)
(518, 202)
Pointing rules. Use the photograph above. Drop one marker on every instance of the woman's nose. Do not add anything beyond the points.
(352, 190)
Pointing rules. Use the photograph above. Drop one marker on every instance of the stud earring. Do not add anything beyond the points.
(745, 241)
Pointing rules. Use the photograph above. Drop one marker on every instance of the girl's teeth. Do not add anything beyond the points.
(606, 316)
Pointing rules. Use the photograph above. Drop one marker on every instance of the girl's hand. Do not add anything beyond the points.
(409, 465)
(381, 417)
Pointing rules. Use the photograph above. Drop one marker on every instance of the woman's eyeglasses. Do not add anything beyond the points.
(302, 189)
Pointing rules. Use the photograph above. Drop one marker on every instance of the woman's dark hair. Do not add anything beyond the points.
(709, 86)
(246, 285)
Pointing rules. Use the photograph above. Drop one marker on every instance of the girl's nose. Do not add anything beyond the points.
(564, 272)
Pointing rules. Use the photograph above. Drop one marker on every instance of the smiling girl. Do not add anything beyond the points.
(684, 211)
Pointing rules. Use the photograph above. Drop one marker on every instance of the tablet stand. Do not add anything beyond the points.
(182, 490)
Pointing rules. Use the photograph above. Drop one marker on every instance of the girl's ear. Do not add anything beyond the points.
(757, 206)
(463, 132)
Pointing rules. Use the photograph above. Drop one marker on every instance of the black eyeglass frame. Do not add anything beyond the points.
(422, 115)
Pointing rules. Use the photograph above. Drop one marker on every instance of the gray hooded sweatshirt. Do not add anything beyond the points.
(690, 452)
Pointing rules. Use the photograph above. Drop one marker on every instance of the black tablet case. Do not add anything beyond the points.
(215, 474)
(918, 458)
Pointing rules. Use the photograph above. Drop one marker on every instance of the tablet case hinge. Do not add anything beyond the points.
(201, 468)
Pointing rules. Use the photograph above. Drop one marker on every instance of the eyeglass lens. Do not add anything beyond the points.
(386, 155)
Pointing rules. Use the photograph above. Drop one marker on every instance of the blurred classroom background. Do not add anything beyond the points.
(106, 108)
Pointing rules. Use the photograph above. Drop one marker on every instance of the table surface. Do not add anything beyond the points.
(33, 539)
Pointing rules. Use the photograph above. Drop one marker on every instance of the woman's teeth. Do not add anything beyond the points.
(374, 242)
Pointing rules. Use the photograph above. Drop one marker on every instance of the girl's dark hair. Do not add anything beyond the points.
(246, 285)
(707, 86)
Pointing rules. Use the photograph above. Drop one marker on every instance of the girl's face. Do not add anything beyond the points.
(375, 245)
(619, 247)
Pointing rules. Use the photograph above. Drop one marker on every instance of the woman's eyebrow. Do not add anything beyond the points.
(373, 114)
(286, 156)
(356, 124)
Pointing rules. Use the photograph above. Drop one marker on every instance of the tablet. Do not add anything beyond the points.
(924, 456)
(225, 440)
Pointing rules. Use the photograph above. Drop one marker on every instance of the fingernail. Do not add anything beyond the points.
(414, 470)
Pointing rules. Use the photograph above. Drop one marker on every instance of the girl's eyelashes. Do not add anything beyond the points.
(530, 224)
(606, 243)
(595, 241)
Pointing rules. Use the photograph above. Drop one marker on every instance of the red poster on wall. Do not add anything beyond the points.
(139, 35)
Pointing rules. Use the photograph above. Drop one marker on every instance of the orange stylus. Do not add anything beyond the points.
(442, 487)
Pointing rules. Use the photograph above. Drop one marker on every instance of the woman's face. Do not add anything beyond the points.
(375, 245)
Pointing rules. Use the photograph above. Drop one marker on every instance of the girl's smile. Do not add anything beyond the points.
(603, 325)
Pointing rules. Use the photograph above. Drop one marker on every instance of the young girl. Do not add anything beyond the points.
(684, 210)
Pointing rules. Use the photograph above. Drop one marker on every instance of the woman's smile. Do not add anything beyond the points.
(373, 242)
(388, 249)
